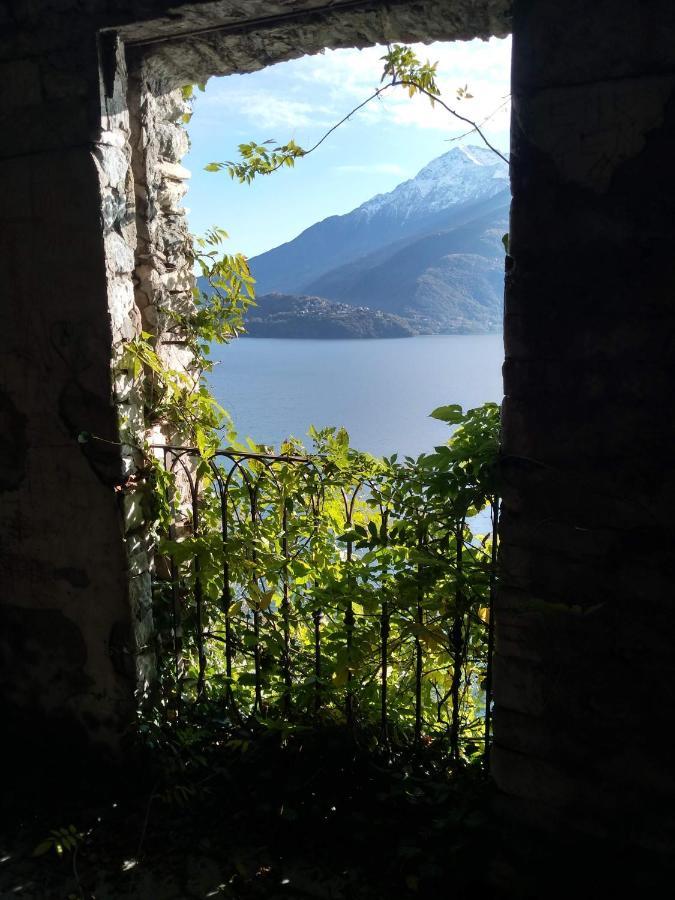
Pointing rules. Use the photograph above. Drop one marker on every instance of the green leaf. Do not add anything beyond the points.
(43, 847)
(451, 414)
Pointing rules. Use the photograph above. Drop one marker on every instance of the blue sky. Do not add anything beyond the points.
(385, 143)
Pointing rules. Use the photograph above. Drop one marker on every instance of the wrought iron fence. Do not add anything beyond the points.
(306, 589)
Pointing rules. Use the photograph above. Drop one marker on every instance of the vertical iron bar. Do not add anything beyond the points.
(257, 704)
(285, 616)
(418, 654)
(349, 626)
(227, 594)
(384, 639)
(491, 629)
(175, 600)
(316, 616)
(349, 612)
(456, 643)
(199, 598)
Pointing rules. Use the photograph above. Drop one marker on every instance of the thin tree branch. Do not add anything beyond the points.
(333, 128)
(397, 82)
(486, 119)
(436, 99)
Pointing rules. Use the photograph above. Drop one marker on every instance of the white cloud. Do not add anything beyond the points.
(489, 101)
(484, 66)
(266, 107)
(315, 92)
(357, 72)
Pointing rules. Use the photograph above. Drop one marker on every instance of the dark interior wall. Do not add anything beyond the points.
(584, 623)
(64, 612)
(585, 619)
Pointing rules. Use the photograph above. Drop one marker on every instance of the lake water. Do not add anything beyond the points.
(382, 391)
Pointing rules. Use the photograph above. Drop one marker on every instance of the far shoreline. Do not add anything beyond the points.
(398, 337)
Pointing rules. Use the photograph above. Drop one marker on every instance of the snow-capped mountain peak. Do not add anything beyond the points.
(452, 190)
(463, 174)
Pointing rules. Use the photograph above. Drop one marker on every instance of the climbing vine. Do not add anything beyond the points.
(177, 396)
(402, 69)
(318, 584)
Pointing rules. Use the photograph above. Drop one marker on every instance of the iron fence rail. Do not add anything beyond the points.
(252, 625)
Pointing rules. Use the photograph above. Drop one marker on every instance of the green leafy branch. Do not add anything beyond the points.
(178, 397)
(60, 841)
(402, 68)
(260, 159)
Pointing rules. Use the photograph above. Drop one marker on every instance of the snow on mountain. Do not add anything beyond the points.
(459, 176)
(341, 257)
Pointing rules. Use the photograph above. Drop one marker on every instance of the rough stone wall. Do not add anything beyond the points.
(163, 274)
(240, 49)
(585, 624)
(66, 675)
(333, 21)
(584, 621)
(113, 154)
(87, 587)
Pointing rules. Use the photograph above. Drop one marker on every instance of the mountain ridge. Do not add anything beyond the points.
(451, 182)
(424, 258)
(393, 278)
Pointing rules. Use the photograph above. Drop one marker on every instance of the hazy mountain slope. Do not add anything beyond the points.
(443, 193)
(449, 279)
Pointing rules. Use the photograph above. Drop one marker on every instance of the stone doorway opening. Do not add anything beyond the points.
(585, 613)
(148, 253)
(148, 133)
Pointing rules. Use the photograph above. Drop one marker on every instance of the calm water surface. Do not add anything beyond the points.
(382, 391)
